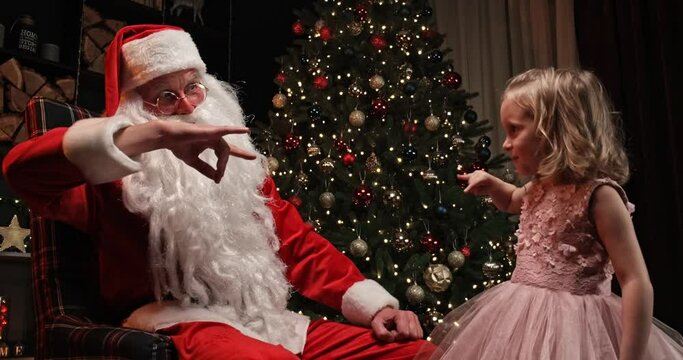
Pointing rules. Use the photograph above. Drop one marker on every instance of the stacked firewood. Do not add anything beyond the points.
(97, 34)
(18, 85)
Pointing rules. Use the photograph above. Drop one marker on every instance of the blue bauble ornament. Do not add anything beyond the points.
(470, 116)
(435, 56)
(483, 154)
(485, 141)
(409, 88)
(409, 153)
(314, 112)
(441, 211)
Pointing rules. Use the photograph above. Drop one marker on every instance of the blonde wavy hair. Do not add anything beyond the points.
(574, 116)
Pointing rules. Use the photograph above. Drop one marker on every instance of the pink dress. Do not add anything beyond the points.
(558, 304)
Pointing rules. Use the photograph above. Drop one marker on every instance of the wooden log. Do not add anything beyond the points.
(2, 96)
(101, 36)
(32, 81)
(90, 16)
(11, 70)
(114, 25)
(68, 86)
(90, 50)
(98, 65)
(8, 125)
(51, 91)
(16, 99)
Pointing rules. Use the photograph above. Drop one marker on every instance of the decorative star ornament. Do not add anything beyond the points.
(13, 235)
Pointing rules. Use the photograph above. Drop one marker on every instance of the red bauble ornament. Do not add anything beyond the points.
(325, 33)
(462, 171)
(361, 12)
(430, 242)
(3, 309)
(341, 145)
(348, 159)
(428, 34)
(451, 79)
(296, 200)
(362, 196)
(298, 28)
(465, 250)
(291, 142)
(379, 108)
(320, 82)
(409, 127)
(378, 42)
(280, 78)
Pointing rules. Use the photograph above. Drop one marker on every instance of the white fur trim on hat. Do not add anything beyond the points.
(158, 54)
(363, 300)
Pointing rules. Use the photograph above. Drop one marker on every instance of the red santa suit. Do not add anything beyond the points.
(82, 188)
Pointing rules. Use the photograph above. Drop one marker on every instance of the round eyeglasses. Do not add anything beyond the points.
(167, 101)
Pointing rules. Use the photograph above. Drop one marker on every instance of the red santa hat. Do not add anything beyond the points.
(140, 53)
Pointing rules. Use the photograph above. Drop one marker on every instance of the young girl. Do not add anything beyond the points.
(575, 231)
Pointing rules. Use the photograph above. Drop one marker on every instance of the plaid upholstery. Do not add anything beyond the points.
(64, 265)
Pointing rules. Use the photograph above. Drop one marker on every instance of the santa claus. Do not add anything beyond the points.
(191, 246)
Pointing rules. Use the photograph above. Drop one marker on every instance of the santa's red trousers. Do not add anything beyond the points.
(324, 340)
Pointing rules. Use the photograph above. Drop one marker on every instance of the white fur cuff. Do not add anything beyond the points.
(89, 144)
(363, 300)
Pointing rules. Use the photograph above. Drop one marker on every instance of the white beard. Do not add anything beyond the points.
(211, 244)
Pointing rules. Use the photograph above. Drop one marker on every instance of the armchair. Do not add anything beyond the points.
(69, 323)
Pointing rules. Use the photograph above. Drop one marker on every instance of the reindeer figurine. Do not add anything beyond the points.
(195, 5)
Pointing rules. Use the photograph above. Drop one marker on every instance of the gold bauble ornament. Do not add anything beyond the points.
(415, 294)
(355, 90)
(438, 277)
(358, 247)
(456, 260)
(372, 163)
(392, 198)
(357, 118)
(431, 319)
(313, 150)
(491, 268)
(406, 71)
(432, 123)
(301, 178)
(376, 82)
(429, 176)
(355, 28)
(273, 164)
(279, 101)
(326, 200)
(327, 165)
(401, 242)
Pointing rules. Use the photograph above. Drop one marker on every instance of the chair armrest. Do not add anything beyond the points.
(72, 337)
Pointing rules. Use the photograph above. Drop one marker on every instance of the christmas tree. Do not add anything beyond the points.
(366, 136)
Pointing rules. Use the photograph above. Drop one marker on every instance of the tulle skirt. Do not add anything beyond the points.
(516, 321)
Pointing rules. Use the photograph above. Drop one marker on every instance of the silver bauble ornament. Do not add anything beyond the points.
(429, 176)
(401, 242)
(376, 82)
(358, 247)
(432, 123)
(457, 141)
(491, 268)
(392, 198)
(326, 200)
(456, 260)
(357, 118)
(327, 165)
(279, 101)
(273, 164)
(438, 277)
(415, 294)
(313, 150)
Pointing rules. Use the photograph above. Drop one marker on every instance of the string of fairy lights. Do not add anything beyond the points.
(345, 144)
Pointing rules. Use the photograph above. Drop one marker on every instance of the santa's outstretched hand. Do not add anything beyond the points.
(186, 141)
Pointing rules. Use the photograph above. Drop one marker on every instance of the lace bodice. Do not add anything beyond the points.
(558, 247)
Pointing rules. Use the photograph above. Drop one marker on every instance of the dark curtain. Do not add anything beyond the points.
(635, 47)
